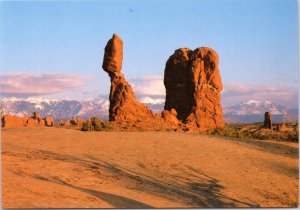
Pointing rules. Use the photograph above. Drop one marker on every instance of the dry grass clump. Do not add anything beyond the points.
(95, 124)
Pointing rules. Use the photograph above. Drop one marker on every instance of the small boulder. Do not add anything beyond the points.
(49, 121)
(80, 122)
(30, 122)
(282, 127)
(67, 123)
(41, 122)
(73, 121)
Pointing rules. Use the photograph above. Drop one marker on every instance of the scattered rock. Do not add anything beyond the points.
(30, 122)
(10, 121)
(41, 122)
(73, 121)
(80, 122)
(268, 120)
(282, 127)
(49, 121)
(67, 123)
(36, 115)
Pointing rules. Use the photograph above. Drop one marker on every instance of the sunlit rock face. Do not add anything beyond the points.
(193, 85)
(124, 107)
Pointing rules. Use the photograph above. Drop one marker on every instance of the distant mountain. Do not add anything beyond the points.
(156, 105)
(59, 109)
(253, 111)
(248, 112)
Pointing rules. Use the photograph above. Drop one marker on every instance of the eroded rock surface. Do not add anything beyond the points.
(268, 120)
(49, 121)
(124, 107)
(113, 55)
(193, 85)
(11, 121)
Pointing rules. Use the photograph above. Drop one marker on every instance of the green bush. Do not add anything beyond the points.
(95, 124)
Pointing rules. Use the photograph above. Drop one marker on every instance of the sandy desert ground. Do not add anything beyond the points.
(56, 167)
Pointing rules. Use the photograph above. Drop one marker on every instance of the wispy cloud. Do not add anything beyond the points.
(235, 93)
(31, 84)
(149, 85)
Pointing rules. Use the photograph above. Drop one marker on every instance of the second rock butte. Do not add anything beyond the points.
(193, 85)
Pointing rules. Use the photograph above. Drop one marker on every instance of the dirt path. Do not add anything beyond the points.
(56, 167)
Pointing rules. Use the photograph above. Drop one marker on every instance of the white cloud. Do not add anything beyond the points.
(149, 85)
(30, 84)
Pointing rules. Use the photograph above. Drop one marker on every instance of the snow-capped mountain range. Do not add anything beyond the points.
(253, 111)
(250, 111)
(255, 107)
(59, 109)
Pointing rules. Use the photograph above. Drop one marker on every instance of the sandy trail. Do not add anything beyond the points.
(56, 167)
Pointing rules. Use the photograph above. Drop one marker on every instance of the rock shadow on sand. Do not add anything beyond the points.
(188, 186)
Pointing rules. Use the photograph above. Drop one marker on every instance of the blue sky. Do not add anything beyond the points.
(257, 42)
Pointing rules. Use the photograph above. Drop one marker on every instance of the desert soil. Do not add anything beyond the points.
(57, 167)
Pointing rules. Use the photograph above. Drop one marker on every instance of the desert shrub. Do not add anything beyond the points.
(227, 131)
(95, 124)
(252, 131)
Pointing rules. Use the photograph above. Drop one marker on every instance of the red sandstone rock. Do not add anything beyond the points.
(73, 121)
(25, 119)
(282, 127)
(124, 107)
(67, 123)
(49, 121)
(36, 115)
(193, 85)
(80, 122)
(170, 117)
(268, 120)
(30, 122)
(113, 56)
(9, 121)
(41, 122)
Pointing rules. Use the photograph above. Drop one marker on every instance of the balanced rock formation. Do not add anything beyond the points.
(193, 85)
(124, 107)
(268, 120)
